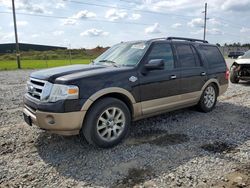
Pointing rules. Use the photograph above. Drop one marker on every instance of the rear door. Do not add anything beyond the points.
(193, 72)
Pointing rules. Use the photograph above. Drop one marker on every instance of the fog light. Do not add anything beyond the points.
(50, 120)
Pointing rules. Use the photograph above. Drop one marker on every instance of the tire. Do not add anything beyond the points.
(107, 123)
(234, 76)
(208, 98)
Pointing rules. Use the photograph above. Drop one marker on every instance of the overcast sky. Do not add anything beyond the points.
(88, 23)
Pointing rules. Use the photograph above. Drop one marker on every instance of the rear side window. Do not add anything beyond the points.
(196, 56)
(212, 55)
(162, 51)
(185, 55)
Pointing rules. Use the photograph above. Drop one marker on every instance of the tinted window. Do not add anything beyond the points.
(196, 56)
(212, 55)
(162, 51)
(185, 55)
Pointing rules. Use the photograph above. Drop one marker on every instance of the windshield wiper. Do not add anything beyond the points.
(109, 61)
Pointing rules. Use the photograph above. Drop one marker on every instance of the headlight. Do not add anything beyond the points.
(62, 92)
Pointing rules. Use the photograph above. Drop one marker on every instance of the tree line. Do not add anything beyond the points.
(238, 44)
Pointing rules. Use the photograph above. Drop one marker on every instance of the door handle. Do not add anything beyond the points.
(203, 74)
(173, 77)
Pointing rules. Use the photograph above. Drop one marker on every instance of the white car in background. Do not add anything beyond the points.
(240, 69)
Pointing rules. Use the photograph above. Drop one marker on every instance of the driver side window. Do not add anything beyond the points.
(162, 51)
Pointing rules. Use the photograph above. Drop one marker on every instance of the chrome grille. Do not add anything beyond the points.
(38, 89)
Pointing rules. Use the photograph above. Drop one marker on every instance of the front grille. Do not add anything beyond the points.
(38, 89)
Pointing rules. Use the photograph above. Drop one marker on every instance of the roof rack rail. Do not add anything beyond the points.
(160, 38)
(187, 39)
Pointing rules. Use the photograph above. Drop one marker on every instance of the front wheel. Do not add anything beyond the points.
(107, 123)
(208, 98)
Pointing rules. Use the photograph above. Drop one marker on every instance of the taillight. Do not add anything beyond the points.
(227, 74)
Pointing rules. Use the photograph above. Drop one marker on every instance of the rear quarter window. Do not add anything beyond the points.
(212, 55)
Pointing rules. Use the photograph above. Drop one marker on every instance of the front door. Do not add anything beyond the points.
(159, 88)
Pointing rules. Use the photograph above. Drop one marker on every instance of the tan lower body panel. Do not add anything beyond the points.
(157, 106)
(162, 104)
(60, 123)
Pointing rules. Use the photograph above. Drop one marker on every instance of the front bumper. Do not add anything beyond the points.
(68, 123)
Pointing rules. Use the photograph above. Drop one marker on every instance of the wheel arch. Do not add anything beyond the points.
(212, 81)
(115, 92)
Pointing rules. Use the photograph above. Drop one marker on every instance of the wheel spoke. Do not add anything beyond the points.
(102, 119)
(108, 114)
(118, 127)
(113, 113)
(104, 132)
(119, 121)
(115, 133)
(100, 127)
(118, 115)
(109, 134)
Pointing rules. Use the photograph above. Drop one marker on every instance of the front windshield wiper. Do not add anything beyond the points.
(109, 61)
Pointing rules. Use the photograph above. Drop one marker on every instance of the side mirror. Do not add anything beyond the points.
(240, 57)
(155, 64)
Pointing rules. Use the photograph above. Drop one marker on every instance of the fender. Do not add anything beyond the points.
(221, 88)
(212, 80)
(110, 90)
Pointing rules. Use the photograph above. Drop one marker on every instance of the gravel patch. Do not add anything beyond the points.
(184, 148)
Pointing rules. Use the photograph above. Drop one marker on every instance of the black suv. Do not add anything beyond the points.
(130, 81)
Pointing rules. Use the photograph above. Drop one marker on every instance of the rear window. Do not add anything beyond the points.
(212, 55)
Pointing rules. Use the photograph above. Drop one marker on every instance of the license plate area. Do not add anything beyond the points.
(27, 119)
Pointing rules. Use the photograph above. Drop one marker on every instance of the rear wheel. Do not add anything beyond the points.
(107, 123)
(234, 75)
(208, 98)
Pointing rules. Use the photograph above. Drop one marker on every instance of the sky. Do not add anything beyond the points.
(88, 23)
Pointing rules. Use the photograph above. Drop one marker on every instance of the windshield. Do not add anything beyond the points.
(246, 55)
(123, 54)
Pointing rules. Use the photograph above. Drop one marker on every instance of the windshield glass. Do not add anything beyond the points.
(123, 54)
(246, 55)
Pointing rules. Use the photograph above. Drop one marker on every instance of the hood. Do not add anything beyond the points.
(243, 61)
(100, 72)
(52, 73)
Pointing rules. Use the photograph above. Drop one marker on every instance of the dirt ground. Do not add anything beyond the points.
(185, 148)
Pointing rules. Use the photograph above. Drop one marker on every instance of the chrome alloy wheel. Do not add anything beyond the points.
(110, 124)
(209, 96)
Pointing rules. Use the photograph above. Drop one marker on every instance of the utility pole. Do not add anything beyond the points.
(205, 22)
(70, 53)
(16, 37)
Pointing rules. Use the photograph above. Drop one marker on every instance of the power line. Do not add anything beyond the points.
(127, 8)
(185, 17)
(70, 18)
